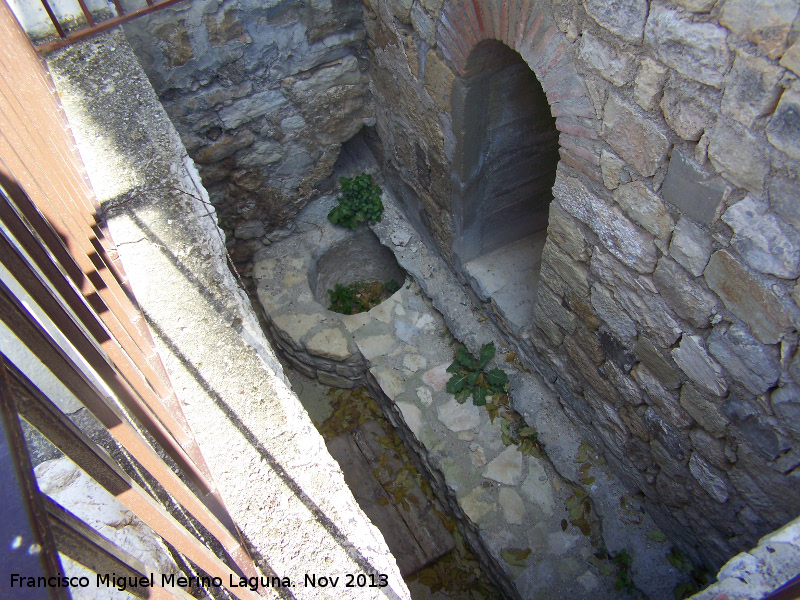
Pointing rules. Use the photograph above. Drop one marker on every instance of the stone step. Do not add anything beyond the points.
(510, 277)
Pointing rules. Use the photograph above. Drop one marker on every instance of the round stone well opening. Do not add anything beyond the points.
(358, 258)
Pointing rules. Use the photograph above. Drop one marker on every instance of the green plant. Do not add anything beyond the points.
(360, 201)
(470, 378)
(699, 577)
(360, 296)
(622, 560)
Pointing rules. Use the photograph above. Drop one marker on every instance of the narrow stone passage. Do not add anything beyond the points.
(393, 493)
(535, 530)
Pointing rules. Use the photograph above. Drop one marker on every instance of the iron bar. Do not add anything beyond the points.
(86, 13)
(17, 318)
(31, 552)
(51, 422)
(171, 415)
(62, 319)
(76, 300)
(118, 6)
(179, 429)
(52, 177)
(29, 279)
(788, 591)
(108, 24)
(58, 210)
(187, 455)
(205, 511)
(54, 20)
(100, 555)
(63, 199)
(31, 237)
(184, 457)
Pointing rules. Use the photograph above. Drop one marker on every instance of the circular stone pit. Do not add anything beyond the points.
(358, 257)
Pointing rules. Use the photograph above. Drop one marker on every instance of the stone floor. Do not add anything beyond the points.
(510, 500)
(510, 277)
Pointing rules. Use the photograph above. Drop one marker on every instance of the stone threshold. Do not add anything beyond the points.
(401, 349)
(509, 277)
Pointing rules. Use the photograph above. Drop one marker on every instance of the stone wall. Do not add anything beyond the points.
(284, 492)
(761, 570)
(262, 94)
(667, 315)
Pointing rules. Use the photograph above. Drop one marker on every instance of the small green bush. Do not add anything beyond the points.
(360, 201)
(470, 379)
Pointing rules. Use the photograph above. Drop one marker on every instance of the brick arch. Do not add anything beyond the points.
(531, 32)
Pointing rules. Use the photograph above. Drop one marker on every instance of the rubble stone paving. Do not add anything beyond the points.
(403, 347)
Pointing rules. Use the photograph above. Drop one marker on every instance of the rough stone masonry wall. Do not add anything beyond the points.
(262, 93)
(668, 311)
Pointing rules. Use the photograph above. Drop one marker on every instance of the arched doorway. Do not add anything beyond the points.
(505, 167)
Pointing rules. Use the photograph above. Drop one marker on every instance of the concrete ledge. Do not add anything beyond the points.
(284, 491)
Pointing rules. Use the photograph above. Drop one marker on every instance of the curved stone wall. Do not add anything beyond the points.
(668, 311)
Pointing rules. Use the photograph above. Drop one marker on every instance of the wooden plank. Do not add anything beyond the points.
(416, 536)
(358, 475)
(429, 531)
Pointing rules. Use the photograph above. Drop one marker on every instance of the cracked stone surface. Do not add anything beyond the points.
(506, 468)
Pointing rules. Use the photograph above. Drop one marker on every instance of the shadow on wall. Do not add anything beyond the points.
(246, 432)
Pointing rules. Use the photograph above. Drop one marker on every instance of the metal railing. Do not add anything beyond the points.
(788, 591)
(42, 277)
(65, 297)
(91, 27)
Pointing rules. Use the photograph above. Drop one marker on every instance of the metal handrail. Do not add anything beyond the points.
(66, 299)
(788, 591)
(92, 27)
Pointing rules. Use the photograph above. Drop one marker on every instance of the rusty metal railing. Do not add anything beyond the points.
(65, 309)
(65, 297)
(788, 591)
(91, 26)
